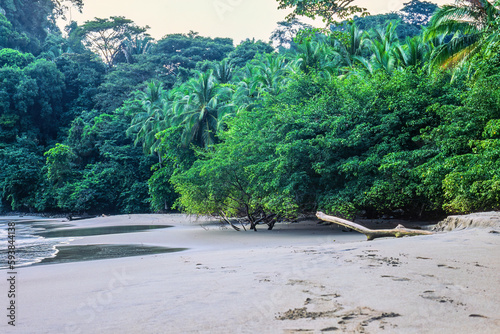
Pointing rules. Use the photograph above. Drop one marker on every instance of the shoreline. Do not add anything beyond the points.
(295, 279)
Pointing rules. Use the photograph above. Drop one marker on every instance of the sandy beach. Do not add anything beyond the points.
(299, 278)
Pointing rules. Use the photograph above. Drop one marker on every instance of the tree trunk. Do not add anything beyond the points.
(228, 221)
(399, 231)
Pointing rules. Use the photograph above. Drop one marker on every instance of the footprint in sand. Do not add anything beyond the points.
(361, 317)
(429, 294)
(265, 279)
(293, 282)
(354, 320)
(397, 279)
(446, 266)
(427, 275)
(303, 313)
(199, 266)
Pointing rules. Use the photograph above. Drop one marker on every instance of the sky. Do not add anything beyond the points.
(237, 19)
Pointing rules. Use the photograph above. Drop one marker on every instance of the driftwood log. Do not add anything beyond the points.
(399, 231)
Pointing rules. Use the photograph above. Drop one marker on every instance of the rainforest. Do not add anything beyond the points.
(394, 114)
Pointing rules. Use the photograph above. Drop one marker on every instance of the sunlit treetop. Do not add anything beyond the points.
(106, 37)
(328, 10)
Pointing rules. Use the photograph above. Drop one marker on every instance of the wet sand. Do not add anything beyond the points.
(299, 278)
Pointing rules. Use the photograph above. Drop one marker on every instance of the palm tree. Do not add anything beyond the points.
(247, 92)
(309, 56)
(223, 72)
(474, 25)
(150, 118)
(354, 47)
(201, 109)
(136, 46)
(386, 36)
(414, 53)
(315, 55)
(271, 74)
(369, 51)
(383, 43)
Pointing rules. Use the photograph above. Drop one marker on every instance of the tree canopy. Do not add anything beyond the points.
(328, 10)
(394, 114)
(108, 37)
(418, 12)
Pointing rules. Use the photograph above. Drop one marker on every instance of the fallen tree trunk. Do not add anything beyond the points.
(399, 231)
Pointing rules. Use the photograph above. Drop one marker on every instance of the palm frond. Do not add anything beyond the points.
(459, 49)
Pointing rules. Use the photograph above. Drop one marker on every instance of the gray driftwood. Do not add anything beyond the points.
(399, 231)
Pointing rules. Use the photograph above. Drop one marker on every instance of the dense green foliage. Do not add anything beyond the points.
(395, 114)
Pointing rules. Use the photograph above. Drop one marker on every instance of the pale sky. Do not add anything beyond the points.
(238, 19)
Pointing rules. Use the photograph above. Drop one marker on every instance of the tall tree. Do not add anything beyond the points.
(150, 117)
(184, 51)
(106, 37)
(33, 21)
(418, 12)
(283, 36)
(201, 108)
(9, 38)
(329, 10)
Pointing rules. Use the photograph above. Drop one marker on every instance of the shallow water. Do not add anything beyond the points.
(79, 253)
(29, 247)
(39, 241)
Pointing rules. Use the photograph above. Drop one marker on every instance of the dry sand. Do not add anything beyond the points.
(300, 278)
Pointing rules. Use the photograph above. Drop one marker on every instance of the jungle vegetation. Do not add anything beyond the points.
(394, 114)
